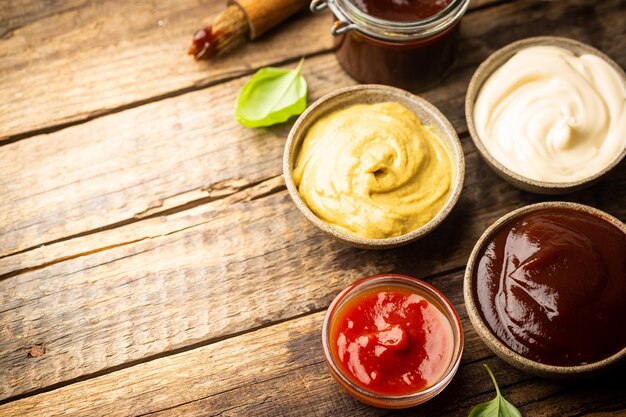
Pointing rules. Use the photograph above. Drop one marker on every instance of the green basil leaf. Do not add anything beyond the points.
(498, 407)
(271, 96)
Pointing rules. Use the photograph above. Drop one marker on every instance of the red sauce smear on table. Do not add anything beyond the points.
(551, 285)
(402, 10)
(391, 341)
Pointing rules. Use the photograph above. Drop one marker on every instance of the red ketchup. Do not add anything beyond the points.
(391, 341)
(551, 285)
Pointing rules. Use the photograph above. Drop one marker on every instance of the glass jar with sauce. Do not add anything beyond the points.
(407, 44)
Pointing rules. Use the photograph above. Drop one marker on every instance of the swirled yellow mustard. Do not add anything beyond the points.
(373, 170)
(553, 116)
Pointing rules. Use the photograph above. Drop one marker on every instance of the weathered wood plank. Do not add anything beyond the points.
(131, 164)
(189, 148)
(15, 14)
(225, 195)
(104, 56)
(87, 279)
(279, 370)
(75, 65)
(583, 397)
(173, 283)
(158, 271)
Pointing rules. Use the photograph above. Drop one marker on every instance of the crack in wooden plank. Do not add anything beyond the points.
(255, 382)
(474, 396)
(196, 86)
(10, 30)
(318, 363)
(605, 412)
(197, 345)
(53, 229)
(216, 192)
(201, 84)
(207, 194)
(564, 391)
(90, 252)
(160, 355)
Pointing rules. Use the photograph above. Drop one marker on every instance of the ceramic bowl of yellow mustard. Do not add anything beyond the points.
(374, 166)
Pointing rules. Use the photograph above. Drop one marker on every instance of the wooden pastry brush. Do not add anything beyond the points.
(242, 20)
(229, 29)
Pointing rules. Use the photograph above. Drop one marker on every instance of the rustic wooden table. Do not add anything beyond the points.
(152, 261)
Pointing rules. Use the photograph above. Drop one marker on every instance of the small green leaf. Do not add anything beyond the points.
(271, 96)
(498, 407)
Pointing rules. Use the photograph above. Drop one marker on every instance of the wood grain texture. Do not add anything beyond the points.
(17, 13)
(87, 61)
(129, 165)
(280, 370)
(169, 282)
(150, 278)
(66, 62)
(158, 283)
(186, 149)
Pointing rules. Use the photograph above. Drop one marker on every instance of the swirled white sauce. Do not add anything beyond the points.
(552, 116)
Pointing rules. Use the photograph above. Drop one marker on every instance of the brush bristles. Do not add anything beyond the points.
(230, 28)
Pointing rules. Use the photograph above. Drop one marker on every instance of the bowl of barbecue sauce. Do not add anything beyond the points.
(545, 288)
(392, 341)
(410, 44)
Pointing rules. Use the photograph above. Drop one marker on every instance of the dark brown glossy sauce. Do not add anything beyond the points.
(551, 285)
(402, 10)
(414, 65)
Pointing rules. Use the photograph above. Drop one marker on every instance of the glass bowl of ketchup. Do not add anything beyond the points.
(545, 289)
(392, 341)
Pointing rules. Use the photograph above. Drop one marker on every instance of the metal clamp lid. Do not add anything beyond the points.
(349, 17)
(341, 25)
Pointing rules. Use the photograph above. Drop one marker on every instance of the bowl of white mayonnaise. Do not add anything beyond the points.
(548, 114)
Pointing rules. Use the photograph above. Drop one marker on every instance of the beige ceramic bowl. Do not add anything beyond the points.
(498, 347)
(368, 94)
(485, 70)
